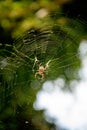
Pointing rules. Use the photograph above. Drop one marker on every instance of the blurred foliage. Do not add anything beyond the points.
(42, 34)
(18, 16)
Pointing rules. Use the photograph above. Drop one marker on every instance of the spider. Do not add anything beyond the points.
(42, 70)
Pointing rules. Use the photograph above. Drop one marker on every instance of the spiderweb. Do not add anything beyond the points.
(54, 43)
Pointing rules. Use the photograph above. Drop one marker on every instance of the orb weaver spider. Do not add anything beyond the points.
(41, 69)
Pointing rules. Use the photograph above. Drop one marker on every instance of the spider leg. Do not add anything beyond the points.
(42, 76)
(35, 62)
(36, 75)
(47, 64)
